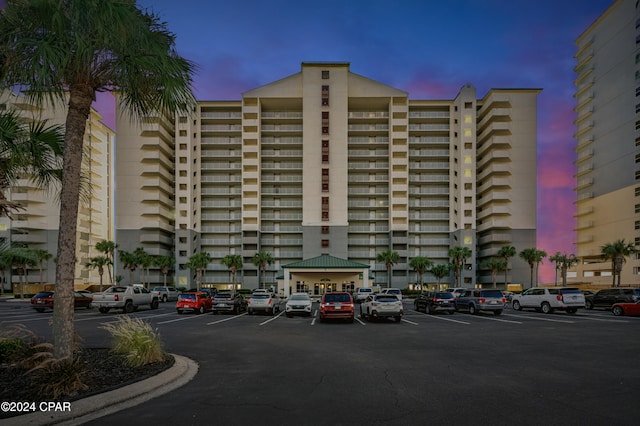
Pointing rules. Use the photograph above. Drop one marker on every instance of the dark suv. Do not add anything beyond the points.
(435, 301)
(606, 297)
(475, 299)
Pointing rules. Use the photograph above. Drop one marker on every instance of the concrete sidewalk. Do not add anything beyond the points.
(102, 404)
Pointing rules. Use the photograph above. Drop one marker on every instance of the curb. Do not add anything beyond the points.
(102, 404)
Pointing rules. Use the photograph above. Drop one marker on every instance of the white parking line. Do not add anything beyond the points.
(446, 319)
(496, 319)
(585, 317)
(271, 319)
(226, 319)
(360, 321)
(182, 318)
(539, 318)
(410, 322)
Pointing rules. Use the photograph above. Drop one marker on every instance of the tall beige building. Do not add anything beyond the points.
(328, 162)
(36, 225)
(608, 142)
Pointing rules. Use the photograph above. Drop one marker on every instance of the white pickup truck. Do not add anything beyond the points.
(127, 298)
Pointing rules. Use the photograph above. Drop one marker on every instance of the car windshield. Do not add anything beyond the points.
(387, 298)
(365, 290)
(333, 298)
(44, 294)
(222, 296)
(158, 288)
(188, 296)
(299, 297)
(492, 293)
(443, 295)
(393, 291)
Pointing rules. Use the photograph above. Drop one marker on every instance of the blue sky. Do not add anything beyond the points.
(427, 48)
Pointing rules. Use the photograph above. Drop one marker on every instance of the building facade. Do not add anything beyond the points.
(608, 142)
(36, 224)
(328, 162)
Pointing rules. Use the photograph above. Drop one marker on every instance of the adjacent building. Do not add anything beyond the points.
(36, 224)
(326, 165)
(608, 142)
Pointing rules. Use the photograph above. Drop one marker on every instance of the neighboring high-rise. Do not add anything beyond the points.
(608, 142)
(36, 224)
(326, 161)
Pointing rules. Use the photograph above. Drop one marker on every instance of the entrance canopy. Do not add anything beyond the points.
(324, 273)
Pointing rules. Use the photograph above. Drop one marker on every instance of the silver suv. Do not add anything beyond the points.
(476, 299)
(549, 299)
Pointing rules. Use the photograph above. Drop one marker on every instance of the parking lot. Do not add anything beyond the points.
(517, 368)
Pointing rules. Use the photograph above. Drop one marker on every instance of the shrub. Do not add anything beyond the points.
(57, 378)
(136, 340)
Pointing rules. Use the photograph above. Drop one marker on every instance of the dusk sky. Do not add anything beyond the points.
(429, 49)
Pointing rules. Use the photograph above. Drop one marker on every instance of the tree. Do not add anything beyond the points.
(41, 255)
(165, 263)
(21, 258)
(261, 259)
(459, 256)
(108, 248)
(533, 257)
(129, 261)
(495, 265)
(420, 264)
(506, 252)
(145, 261)
(563, 262)
(198, 262)
(233, 262)
(440, 271)
(27, 150)
(98, 262)
(389, 258)
(65, 52)
(617, 252)
(5, 263)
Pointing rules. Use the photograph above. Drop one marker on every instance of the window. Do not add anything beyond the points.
(325, 229)
(325, 130)
(325, 243)
(325, 74)
(183, 133)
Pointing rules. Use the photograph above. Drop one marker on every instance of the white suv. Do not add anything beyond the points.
(568, 299)
(361, 294)
(395, 291)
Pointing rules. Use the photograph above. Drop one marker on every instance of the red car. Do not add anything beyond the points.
(44, 300)
(337, 304)
(196, 301)
(619, 309)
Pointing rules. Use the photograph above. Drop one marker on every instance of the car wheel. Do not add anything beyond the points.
(572, 311)
(499, 312)
(179, 311)
(472, 309)
(617, 311)
(516, 305)
(154, 304)
(103, 310)
(398, 318)
(588, 304)
(427, 309)
(546, 308)
(39, 310)
(165, 298)
(128, 308)
(201, 309)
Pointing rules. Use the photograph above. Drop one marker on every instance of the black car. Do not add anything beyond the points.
(606, 297)
(435, 301)
(229, 302)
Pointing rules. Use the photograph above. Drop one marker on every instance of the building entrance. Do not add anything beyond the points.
(324, 287)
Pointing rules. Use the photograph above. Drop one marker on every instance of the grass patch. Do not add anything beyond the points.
(136, 340)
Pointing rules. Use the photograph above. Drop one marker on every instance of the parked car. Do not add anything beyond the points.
(44, 300)
(338, 305)
(508, 295)
(607, 297)
(362, 294)
(263, 302)
(166, 294)
(392, 290)
(381, 306)
(86, 293)
(197, 301)
(632, 309)
(229, 302)
(476, 299)
(547, 300)
(298, 303)
(435, 301)
(456, 291)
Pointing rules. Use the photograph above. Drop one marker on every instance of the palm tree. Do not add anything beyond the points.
(145, 261)
(108, 248)
(65, 52)
(41, 255)
(533, 257)
(165, 263)
(261, 259)
(98, 262)
(420, 264)
(389, 258)
(5, 263)
(440, 271)
(129, 261)
(495, 264)
(459, 256)
(617, 252)
(198, 262)
(21, 258)
(506, 252)
(32, 151)
(563, 262)
(232, 262)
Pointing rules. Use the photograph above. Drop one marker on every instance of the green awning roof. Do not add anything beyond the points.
(325, 262)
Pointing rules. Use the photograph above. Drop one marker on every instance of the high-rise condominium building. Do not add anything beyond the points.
(326, 169)
(608, 142)
(36, 224)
